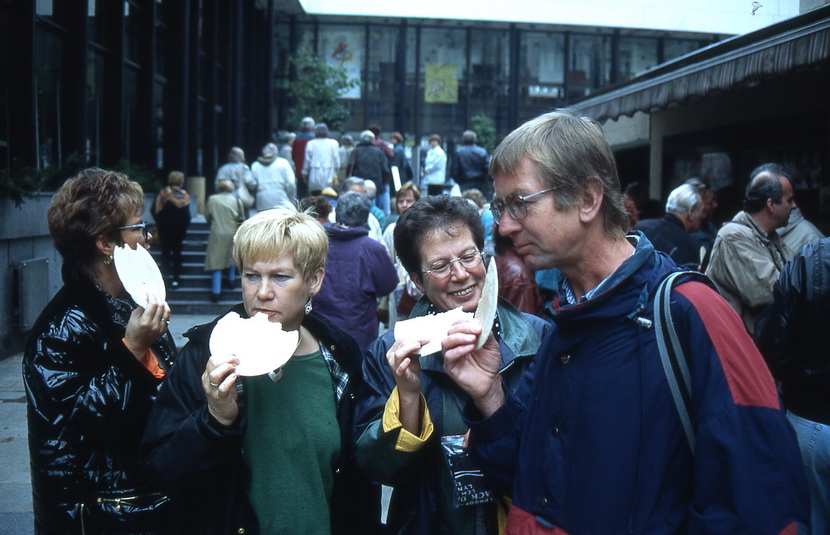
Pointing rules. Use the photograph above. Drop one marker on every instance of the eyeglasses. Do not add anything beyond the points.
(143, 226)
(442, 268)
(516, 205)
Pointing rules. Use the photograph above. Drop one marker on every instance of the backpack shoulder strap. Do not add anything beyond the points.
(675, 365)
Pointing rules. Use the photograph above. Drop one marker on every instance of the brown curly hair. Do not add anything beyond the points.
(93, 203)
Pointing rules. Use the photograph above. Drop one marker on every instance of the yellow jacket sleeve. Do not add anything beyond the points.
(391, 421)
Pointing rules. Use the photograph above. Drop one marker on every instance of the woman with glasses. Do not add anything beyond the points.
(410, 428)
(92, 367)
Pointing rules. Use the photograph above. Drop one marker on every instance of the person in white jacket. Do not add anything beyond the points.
(275, 183)
(322, 160)
(435, 163)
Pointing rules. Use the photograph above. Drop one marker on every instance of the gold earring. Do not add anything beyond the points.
(108, 260)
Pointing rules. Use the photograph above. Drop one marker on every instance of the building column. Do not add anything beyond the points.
(22, 116)
(112, 122)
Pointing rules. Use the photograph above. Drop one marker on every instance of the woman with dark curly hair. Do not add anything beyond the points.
(92, 368)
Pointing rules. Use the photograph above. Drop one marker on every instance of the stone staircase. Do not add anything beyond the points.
(193, 294)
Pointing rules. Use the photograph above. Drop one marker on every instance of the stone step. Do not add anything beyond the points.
(193, 295)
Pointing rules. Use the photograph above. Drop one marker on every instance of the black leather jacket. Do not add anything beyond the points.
(199, 462)
(792, 332)
(88, 400)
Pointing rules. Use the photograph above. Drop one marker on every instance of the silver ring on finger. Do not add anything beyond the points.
(214, 385)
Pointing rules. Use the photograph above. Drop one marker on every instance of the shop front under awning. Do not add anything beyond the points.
(797, 44)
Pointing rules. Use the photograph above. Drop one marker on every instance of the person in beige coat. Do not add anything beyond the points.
(223, 212)
(748, 253)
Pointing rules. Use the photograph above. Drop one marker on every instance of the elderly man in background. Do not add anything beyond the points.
(748, 254)
(358, 272)
(305, 135)
(370, 163)
(286, 140)
(671, 233)
(274, 180)
(469, 165)
(238, 172)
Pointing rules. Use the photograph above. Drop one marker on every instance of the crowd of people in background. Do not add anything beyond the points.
(572, 416)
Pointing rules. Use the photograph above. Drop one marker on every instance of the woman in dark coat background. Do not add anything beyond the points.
(172, 215)
(92, 367)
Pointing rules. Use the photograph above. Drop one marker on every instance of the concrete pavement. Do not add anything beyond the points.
(15, 486)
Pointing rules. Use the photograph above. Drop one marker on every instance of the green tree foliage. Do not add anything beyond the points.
(485, 129)
(315, 91)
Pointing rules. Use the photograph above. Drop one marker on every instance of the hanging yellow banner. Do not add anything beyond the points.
(441, 83)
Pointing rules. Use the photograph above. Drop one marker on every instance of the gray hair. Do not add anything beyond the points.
(682, 199)
(469, 137)
(307, 123)
(351, 181)
(367, 136)
(321, 130)
(353, 209)
(371, 188)
(236, 155)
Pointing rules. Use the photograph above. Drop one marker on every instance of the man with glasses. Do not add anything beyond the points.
(591, 440)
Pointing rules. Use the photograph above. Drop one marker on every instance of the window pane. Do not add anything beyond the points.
(380, 87)
(48, 59)
(541, 73)
(589, 64)
(674, 48)
(95, 86)
(489, 78)
(636, 55)
(442, 68)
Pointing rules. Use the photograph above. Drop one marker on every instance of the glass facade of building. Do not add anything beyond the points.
(173, 85)
(423, 77)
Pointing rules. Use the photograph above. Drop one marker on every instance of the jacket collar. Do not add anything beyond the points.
(623, 293)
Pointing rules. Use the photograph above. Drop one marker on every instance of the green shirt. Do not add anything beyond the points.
(291, 446)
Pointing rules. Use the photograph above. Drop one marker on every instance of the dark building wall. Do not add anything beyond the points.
(161, 85)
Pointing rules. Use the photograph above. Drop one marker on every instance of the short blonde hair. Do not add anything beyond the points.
(175, 178)
(271, 234)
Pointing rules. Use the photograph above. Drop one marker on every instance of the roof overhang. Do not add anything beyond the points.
(797, 44)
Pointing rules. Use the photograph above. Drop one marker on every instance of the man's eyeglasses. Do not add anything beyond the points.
(443, 268)
(516, 205)
(143, 226)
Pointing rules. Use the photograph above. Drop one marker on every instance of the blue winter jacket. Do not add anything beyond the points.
(591, 442)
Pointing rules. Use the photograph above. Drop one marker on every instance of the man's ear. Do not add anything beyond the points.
(419, 282)
(591, 200)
